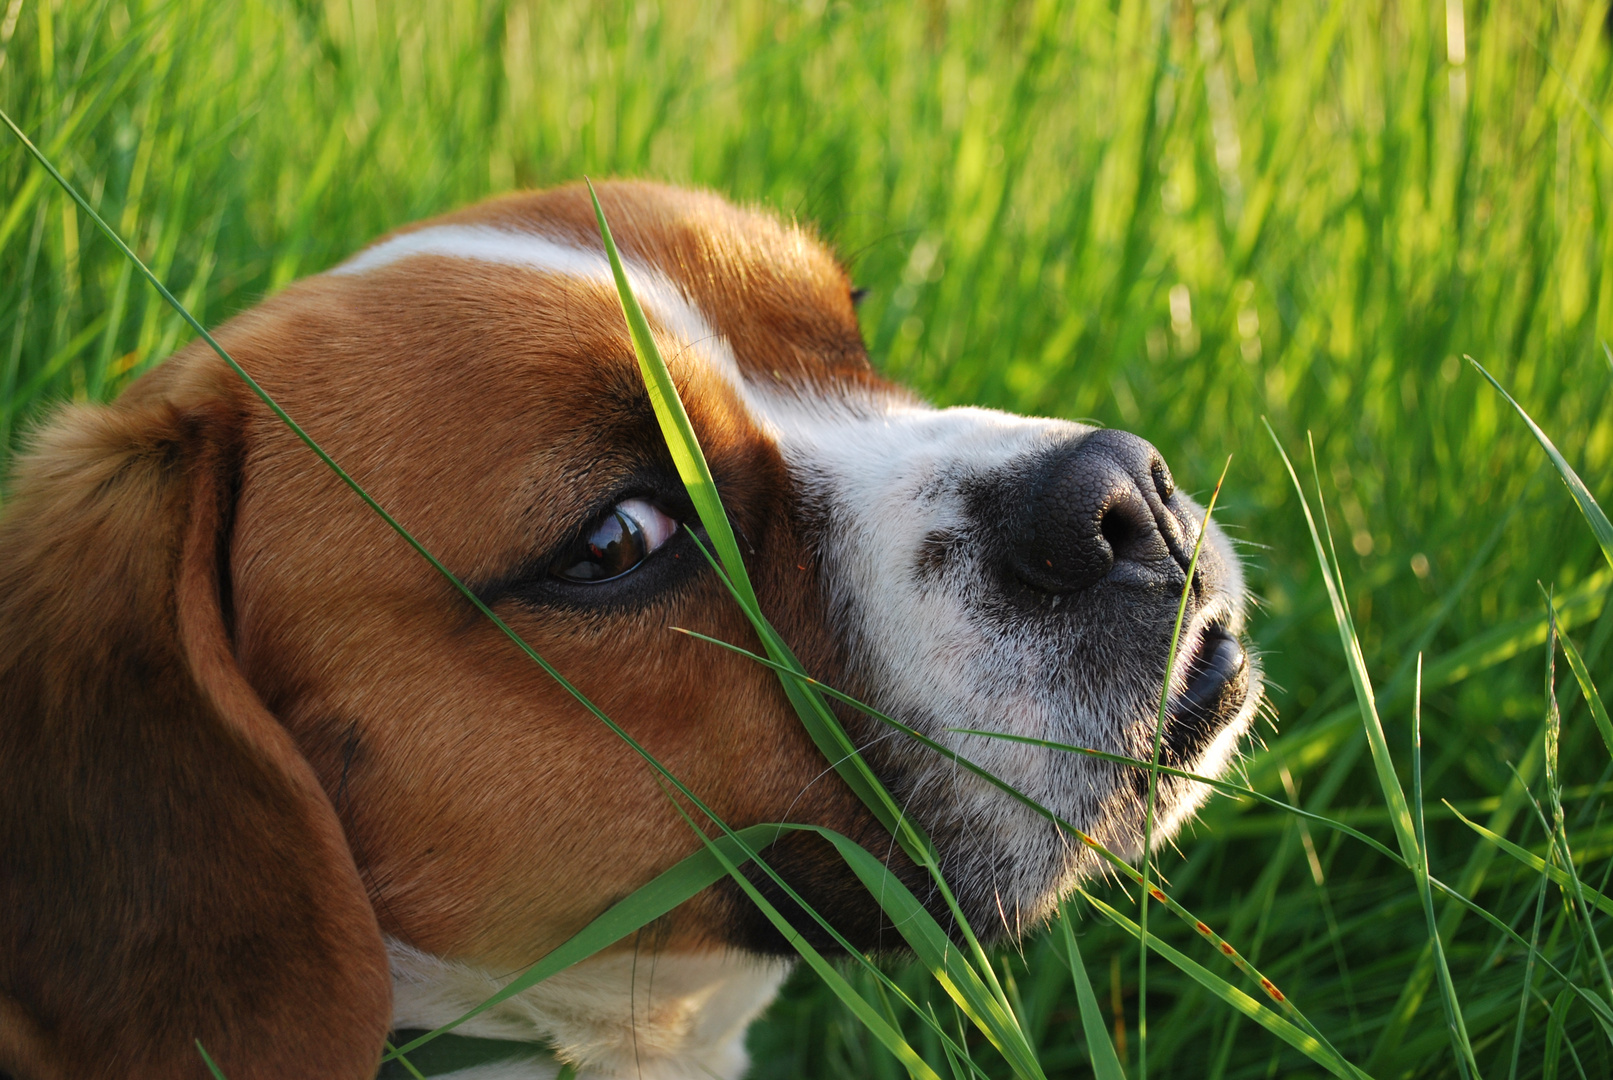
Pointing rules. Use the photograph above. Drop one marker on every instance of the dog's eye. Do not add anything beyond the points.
(623, 538)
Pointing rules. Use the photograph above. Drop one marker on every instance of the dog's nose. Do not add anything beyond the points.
(1097, 511)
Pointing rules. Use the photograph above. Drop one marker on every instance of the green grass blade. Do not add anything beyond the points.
(1412, 852)
(696, 475)
(674, 419)
(1003, 1028)
(1455, 1023)
(409, 1067)
(1554, 797)
(208, 1061)
(1465, 661)
(1100, 1047)
(1528, 979)
(1528, 858)
(932, 946)
(1596, 1004)
(820, 723)
(894, 899)
(1153, 779)
(1394, 795)
(1594, 517)
(1305, 1042)
(865, 1012)
(666, 891)
(672, 887)
(955, 1064)
(815, 715)
(1588, 689)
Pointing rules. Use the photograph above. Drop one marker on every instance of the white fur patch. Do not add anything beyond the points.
(644, 1017)
(661, 298)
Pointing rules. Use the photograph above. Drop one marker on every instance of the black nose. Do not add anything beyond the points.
(1094, 511)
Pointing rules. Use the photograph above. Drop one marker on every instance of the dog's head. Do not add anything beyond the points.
(246, 731)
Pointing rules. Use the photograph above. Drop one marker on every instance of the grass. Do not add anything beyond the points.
(1172, 217)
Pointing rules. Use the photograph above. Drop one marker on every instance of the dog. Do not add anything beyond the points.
(274, 786)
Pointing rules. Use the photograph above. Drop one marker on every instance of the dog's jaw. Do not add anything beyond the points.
(649, 1016)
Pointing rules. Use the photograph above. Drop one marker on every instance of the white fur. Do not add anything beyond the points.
(660, 297)
(641, 1016)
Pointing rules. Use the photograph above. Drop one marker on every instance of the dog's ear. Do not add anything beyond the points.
(170, 868)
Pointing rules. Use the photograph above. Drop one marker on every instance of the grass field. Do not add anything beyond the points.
(1175, 217)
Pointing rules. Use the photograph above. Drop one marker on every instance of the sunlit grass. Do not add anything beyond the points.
(1173, 218)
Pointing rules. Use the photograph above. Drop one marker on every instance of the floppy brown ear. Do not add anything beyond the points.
(170, 869)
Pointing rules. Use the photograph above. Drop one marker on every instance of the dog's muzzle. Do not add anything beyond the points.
(1100, 514)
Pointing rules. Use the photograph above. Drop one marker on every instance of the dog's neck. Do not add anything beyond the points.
(649, 1016)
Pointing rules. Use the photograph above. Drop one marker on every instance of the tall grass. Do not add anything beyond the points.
(1173, 217)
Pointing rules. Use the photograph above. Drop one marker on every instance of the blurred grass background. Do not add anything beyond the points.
(1172, 216)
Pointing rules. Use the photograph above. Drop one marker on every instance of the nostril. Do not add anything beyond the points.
(1118, 529)
(1129, 528)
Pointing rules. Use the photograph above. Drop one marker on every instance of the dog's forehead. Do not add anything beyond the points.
(477, 367)
(762, 298)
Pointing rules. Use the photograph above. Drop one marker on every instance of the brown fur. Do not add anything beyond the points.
(245, 730)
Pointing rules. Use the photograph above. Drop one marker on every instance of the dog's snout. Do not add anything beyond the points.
(1096, 510)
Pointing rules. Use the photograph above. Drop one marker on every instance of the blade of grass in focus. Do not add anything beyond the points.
(1588, 506)
(1557, 874)
(1447, 989)
(1557, 827)
(888, 1035)
(1301, 1040)
(208, 1061)
(1411, 850)
(408, 1066)
(1153, 777)
(1528, 979)
(1100, 1048)
(1593, 699)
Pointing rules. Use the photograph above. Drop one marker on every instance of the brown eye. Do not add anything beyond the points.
(620, 541)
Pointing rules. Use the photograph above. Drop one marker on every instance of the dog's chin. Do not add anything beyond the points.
(1009, 865)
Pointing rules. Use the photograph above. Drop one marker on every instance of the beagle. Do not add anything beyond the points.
(271, 784)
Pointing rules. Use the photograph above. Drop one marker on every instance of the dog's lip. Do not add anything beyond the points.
(1210, 658)
(1217, 661)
